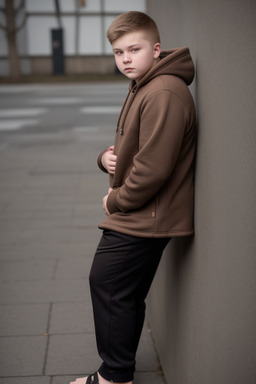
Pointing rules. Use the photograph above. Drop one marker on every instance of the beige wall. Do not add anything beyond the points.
(202, 305)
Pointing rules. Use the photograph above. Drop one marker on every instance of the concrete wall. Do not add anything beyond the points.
(202, 305)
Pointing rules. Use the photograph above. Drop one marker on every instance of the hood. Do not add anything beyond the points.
(176, 62)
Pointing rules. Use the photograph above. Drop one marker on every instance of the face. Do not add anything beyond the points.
(135, 54)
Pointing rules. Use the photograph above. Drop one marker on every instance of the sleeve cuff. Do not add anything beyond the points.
(112, 208)
(100, 163)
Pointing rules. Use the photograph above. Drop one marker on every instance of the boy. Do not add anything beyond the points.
(150, 199)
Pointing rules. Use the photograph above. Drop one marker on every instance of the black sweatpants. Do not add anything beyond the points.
(121, 274)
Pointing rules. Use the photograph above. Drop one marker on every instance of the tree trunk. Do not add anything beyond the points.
(11, 38)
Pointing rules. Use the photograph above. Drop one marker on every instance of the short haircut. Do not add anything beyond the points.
(132, 21)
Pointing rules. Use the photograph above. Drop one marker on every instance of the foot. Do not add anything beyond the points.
(83, 380)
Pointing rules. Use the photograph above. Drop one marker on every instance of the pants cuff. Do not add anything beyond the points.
(118, 377)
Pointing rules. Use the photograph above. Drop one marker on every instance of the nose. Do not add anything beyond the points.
(126, 58)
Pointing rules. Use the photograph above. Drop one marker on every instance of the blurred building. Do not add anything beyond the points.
(83, 24)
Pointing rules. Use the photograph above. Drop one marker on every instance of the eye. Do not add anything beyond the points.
(135, 50)
(118, 53)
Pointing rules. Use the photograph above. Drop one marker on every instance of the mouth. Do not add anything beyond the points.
(128, 69)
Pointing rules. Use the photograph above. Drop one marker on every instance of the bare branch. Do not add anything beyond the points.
(22, 3)
(57, 11)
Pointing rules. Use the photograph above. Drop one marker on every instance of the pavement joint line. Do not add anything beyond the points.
(21, 336)
(16, 377)
(46, 334)
(48, 339)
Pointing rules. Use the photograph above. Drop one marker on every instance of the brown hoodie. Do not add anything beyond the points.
(153, 184)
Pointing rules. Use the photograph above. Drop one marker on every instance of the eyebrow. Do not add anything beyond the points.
(130, 46)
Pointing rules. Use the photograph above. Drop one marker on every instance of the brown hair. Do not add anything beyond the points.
(130, 22)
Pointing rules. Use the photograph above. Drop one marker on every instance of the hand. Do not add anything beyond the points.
(105, 198)
(108, 160)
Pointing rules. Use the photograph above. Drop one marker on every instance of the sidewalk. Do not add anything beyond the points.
(50, 204)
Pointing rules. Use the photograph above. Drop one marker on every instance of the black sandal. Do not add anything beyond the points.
(92, 379)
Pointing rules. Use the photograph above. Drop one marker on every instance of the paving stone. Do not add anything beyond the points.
(72, 198)
(89, 214)
(13, 183)
(22, 356)
(43, 292)
(12, 224)
(149, 378)
(74, 268)
(60, 202)
(66, 379)
(33, 222)
(18, 214)
(23, 202)
(72, 354)
(44, 235)
(80, 234)
(3, 205)
(72, 318)
(88, 219)
(27, 270)
(42, 213)
(26, 380)
(17, 252)
(24, 319)
(52, 182)
(11, 237)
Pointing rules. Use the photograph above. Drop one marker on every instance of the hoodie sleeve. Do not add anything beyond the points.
(100, 163)
(162, 128)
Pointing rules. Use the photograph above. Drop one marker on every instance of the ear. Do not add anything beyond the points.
(156, 50)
